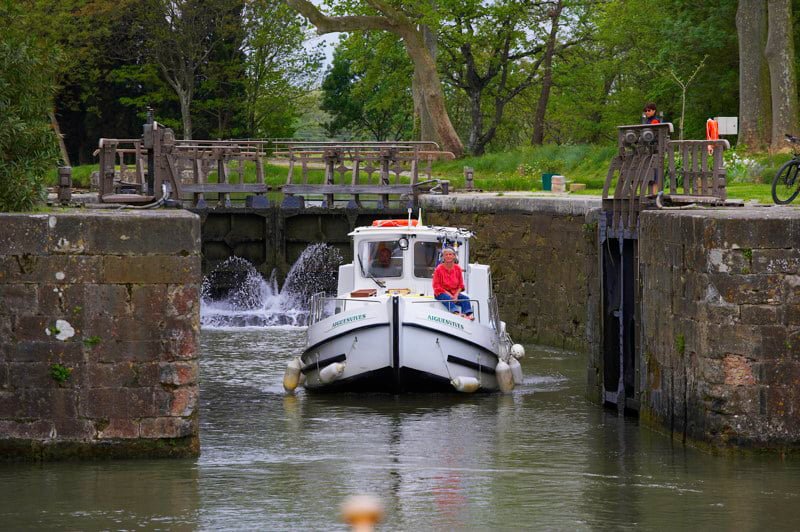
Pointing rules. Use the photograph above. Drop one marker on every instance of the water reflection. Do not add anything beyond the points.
(541, 457)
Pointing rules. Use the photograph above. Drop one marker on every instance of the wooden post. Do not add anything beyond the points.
(64, 184)
(224, 198)
(673, 176)
(108, 155)
(330, 157)
(356, 176)
(140, 179)
(199, 178)
(385, 156)
(720, 188)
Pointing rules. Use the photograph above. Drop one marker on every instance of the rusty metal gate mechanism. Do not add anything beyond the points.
(648, 172)
(183, 168)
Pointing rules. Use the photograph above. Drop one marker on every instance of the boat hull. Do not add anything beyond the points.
(399, 346)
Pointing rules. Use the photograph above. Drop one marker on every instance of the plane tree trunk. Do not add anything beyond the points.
(783, 82)
(394, 21)
(755, 124)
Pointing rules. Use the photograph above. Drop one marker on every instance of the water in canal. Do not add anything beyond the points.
(541, 457)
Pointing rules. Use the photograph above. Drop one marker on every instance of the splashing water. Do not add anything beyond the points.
(236, 295)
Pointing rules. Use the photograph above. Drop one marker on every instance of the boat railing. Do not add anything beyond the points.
(494, 313)
(324, 306)
(476, 305)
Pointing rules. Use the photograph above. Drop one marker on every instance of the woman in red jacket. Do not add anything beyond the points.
(448, 285)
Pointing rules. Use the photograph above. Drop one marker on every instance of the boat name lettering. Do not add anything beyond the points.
(451, 323)
(349, 319)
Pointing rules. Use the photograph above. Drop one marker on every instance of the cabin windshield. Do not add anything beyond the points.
(427, 255)
(382, 258)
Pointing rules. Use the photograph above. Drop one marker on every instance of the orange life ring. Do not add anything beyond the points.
(394, 223)
(712, 129)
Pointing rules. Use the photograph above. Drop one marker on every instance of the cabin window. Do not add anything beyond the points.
(381, 258)
(426, 258)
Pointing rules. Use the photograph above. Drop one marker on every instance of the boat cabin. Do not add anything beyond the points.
(397, 257)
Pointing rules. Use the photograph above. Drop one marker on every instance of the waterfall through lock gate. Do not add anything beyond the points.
(236, 295)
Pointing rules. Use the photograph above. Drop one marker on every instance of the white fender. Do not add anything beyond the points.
(516, 370)
(291, 377)
(517, 351)
(331, 372)
(466, 384)
(505, 380)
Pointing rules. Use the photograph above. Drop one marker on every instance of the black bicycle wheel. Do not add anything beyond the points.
(786, 184)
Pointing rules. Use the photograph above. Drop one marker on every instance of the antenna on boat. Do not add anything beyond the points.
(409, 219)
(419, 221)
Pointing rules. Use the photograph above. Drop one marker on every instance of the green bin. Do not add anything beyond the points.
(547, 181)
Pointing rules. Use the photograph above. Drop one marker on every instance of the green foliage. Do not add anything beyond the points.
(367, 90)
(27, 143)
(60, 373)
(280, 69)
(742, 168)
(81, 176)
(91, 341)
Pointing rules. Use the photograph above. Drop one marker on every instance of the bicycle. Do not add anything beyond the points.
(785, 184)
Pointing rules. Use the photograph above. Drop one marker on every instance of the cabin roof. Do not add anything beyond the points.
(420, 230)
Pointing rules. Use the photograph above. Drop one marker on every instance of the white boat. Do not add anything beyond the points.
(385, 332)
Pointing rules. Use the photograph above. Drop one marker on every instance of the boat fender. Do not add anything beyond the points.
(517, 351)
(332, 372)
(291, 377)
(516, 370)
(505, 380)
(466, 384)
(302, 379)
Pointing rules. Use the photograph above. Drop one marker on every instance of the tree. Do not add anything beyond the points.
(492, 56)
(684, 85)
(547, 78)
(367, 89)
(780, 56)
(403, 23)
(180, 35)
(280, 69)
(754, 99)
(28, 148)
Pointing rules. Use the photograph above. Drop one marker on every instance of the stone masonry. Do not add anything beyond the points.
(543, 255)
(721, 325)
(99, 330)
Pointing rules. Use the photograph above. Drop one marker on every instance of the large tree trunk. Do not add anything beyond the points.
(185, 98)
(394, 21)
(783, 83)
(547, 78)
(427, 130)
(476, 122)
(431, 88)
(754, 82)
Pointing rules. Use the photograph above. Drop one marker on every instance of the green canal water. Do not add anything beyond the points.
(540, 458)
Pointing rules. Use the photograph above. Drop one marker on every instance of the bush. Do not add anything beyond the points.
(28, 147)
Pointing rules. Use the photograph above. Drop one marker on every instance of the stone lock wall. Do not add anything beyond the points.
(543, 255)
(721, 325)
(99, 330)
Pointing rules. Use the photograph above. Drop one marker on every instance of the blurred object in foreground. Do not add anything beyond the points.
(362, 512)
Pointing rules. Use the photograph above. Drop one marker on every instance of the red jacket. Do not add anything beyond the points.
(445, 280)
